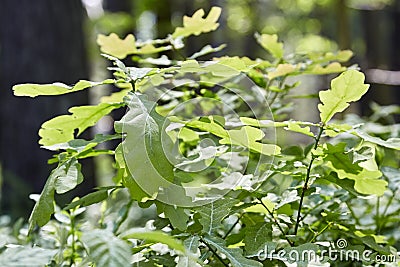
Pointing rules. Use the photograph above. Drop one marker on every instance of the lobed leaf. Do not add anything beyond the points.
(61, 129)
(33, 90)
(270, 43)
(348, 87)
(196, 24)
(114, 46)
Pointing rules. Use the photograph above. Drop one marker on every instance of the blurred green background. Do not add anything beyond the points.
(45, 41)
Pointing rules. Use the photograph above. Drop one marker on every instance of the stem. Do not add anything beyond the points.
(377, 215)
(320, 232)
(384, 220)
(353, 213)
(276, 222)
(233, 226)
(72, 259)
(305, 186)
(214, 252)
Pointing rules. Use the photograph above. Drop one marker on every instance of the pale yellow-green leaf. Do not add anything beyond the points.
(33, 90)
(270, 43)
(282, 70)
(196, 24)
(61, 129)
(333, 67)
(295, 127)
(114, 46)
(348, 87)
(248, 136)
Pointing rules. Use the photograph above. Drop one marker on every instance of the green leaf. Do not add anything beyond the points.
(257, 236)
(234, 255)
(26, 256)
(176, 215)
(114, 46)
(248, 136)
(196, 24)
(69, 173)
(33, 90)
(69, 177)
(365, 174)
(105, 249)
(213, 213)
(348, 87)
(393, 143)
(61, 129)
(145, 148)
(89, 199)
(304, 251)
(191, 244)
(270, 43)
(156, 237)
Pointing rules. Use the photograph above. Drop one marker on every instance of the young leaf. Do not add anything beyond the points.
(365, 174)
(270, 43)
(33, 90)
(282, 70)
(248, 136)
(156, 237)
(114, 46)
(393, 143)
(61, 129)
(105, 249)
(196, 24)
(348, 87)
(235, 255)
(213, 213)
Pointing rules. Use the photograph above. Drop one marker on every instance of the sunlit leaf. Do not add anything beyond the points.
(348, 87)
(61, 129)
(114, 46)
(196, 24)
(270, 43)
(33, 90)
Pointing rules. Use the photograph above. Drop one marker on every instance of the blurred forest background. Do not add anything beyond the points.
(46, 41)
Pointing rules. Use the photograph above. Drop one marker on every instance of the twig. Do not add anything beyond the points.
(233, 226)
(305, 186)
(214, 252)
(276, 222)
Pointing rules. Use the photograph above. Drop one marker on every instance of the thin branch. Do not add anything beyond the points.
(276, 222)
(214, 252)
(305, 186)
(233, 226)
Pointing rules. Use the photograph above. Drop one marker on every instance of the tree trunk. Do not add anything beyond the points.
(41, 42)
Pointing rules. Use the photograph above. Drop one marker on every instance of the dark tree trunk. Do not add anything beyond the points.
(41, 42)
